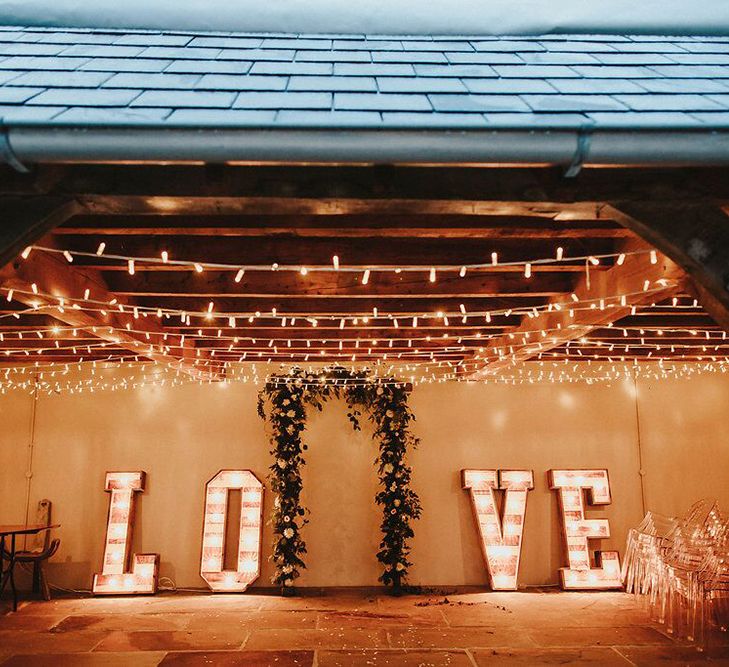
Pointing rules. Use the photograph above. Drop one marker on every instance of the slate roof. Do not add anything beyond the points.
(54, 76)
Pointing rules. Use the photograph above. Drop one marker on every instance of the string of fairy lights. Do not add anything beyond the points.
(209, 345)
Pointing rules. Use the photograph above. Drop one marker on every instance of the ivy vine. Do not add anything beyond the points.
(385, 402)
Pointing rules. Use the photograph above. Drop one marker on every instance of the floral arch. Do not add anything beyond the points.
(385, 402)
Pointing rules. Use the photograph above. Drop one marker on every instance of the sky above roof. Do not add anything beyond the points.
(386, 17)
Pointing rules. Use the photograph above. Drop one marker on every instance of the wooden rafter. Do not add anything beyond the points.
(695, 235)
(526, 341)
(52, 275)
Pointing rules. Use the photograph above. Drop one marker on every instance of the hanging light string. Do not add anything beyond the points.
(537, 373)
(104, 308)
(430, 270)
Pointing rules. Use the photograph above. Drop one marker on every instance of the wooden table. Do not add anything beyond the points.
(7, 573)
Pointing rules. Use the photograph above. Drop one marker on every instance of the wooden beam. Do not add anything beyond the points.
(280, 284)
(526, 341)
(325, 186)
(344, 226)
(52, 275)
(695, 236)
(26, 219)
(313, 252)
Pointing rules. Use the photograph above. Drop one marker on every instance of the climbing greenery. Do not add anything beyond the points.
(384, 402)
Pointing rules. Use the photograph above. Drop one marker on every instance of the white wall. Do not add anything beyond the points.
(182, 436)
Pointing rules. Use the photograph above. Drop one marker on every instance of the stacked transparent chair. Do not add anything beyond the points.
(679, 568)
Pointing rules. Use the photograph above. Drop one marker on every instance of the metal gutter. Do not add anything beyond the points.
(570, 147)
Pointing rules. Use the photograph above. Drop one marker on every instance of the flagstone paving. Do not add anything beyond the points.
(344, 627)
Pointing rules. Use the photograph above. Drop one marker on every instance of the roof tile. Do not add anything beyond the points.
(240, 83)
(283, 101)
(333, 83)
(604, 86)
(220, 117)
(82, 97)
(153, 39)
(176, 99)
(462, 71)
(25, 114)
(580, 103)
(477, 103)
(510, 86)
(123, 64)
(147, 80)
(484, 58)
(292, 68)
(328, 118)
(408, 57)
(18, 95)
(381, 102)
(370, 69)
(101, 51)
(227, 43)
(334, 56)
(404, 84)
(111, 116)
(670, 102)
(535, 71)
(455, 120)
(61, 79)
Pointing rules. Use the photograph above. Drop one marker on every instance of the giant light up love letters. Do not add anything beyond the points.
(114, 578)
(501, 539)
(501, 533)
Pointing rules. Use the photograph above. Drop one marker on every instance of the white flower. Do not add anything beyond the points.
(380, 391)
(390, 414)
(287, 519)
(397, 503)
(291, 413)
(288, 533)
(393, 511)
(393, 487)
(277, 502)
(281, 463)
(289, 582)
(286, 401)
(287, 569)
(290, 430)
(399, 567)
(388, 468)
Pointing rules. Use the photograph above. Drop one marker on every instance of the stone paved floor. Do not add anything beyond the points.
(343, 628)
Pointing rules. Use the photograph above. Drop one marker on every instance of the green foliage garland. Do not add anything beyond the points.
(385, 402)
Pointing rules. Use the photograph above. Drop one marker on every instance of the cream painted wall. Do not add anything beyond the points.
(182, 436)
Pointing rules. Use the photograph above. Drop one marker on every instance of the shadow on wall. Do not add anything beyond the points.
(382, 17)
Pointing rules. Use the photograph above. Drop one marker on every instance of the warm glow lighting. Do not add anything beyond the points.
(68, 256)
(576, 530)
(366, 277)
(501, 539)
(198, 267)
(100, 249)
(621, 259)
(335, 262)
(165, 256)
(26, 253)
(431, 276)
(239, 275)
(130, 267)
(114, 578)
(249, 535)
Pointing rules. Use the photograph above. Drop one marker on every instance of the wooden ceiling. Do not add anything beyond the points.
(464, 327)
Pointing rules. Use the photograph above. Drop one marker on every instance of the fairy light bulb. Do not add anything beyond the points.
(431, 276)
(130, 267)
(574, 297)
(87, 293)
(527, 270)
(462, 272)
(303, 270)
(560, 253)
(165, 256)
(335, 262)
(654, 257)
(239, 275)
(366, 277)
(198, 267)
(34, 287)
(494, 258)
(26, 253)
(68, 256)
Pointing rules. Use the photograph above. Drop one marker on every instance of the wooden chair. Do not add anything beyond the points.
(41, 549)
